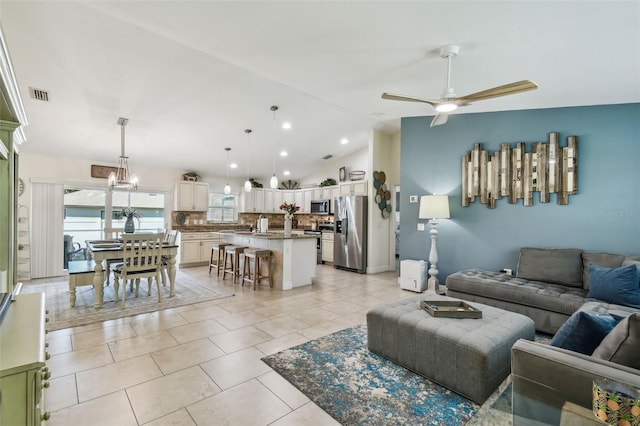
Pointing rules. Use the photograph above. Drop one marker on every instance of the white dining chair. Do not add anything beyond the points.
(169, 239)
(142, 259)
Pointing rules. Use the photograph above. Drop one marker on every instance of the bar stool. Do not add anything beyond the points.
(232, 261)
(218, 250)
(259, 256)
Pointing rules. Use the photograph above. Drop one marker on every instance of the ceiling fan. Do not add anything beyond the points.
(450, 102)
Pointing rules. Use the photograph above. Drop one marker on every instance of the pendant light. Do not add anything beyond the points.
(247, 183)
(121, 178)
(273, 183)
(227, 187)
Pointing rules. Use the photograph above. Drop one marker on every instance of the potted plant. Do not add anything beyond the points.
(129, 213)
(289, 211)
(328, 182)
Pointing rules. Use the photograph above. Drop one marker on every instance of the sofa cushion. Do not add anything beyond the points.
(622, 344)
(584, 331)
(608, 260)
(559, 266)
(535, 294)
(615, 285)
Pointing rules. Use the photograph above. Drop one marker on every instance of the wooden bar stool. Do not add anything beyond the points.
(218, 250)
(259, 256)
(232, 261)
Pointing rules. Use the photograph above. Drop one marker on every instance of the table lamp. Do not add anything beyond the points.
(434, 207)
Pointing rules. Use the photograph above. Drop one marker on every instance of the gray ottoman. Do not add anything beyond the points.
(469, 356)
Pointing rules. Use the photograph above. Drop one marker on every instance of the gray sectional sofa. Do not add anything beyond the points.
(549, 286)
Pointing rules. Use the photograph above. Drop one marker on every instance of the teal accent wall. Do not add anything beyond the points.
(603, 216)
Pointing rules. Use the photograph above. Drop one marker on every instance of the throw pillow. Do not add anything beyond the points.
(559, 266)
(608, 260)
(615, 285)
(584, 331)
(622, 345)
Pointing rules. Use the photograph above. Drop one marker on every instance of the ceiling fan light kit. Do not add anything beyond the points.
(449, 102)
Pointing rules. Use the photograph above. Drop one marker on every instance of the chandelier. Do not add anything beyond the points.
(122, 179)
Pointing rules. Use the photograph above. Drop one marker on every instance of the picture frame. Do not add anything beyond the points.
(342, 174)
(102, 172)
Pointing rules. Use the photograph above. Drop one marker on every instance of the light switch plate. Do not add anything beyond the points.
(413, 198)
(421, 227)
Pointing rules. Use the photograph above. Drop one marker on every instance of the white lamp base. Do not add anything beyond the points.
(433, 283)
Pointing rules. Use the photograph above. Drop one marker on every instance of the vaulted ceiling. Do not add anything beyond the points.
(191, 76)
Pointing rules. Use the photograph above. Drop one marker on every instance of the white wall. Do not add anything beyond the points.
(383, 155)
(355, 161)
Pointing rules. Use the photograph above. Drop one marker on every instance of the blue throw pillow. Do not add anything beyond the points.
(615, 285)
(584, 331)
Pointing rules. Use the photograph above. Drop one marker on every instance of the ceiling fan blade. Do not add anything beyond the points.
(394, 97)
(439, 119)
(507, 89)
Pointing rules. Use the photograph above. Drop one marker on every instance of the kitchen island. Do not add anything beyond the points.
(293, 259)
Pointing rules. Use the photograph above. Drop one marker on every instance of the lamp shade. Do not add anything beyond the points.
(434, 207)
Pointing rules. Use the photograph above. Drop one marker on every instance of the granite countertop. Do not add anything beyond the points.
(266, 235)
(221, 227)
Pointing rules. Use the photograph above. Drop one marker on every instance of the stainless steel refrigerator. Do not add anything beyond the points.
(350, 233)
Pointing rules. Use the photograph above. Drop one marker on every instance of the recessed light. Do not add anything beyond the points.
(344, 141)
(233, 165)
(286, 125)
(283, 153)
(286, 173)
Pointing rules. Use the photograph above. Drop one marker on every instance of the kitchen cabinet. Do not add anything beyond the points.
(253, 201)
(358, 187)
(327, 246)
(268, 201)
(23, 375)
(298, 198)
(308, 196)
(191, 196)
(195, 248)
(278, 198)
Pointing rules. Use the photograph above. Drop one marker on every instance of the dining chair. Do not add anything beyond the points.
(169, 239)
(142, 259)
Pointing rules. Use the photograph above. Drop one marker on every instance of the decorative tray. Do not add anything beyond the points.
(450, 309)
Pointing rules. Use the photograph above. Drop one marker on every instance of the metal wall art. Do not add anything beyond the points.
(383, 195)
(516, 174)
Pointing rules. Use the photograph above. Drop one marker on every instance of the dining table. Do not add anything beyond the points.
(114, 249)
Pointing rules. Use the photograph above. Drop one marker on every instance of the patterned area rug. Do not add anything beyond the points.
(61, 315)
(358, 387)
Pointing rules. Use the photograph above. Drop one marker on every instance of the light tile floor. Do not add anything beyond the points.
(201, 364)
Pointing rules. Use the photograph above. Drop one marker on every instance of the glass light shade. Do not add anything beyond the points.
(227, 189)
(434, 207)
(273, 183)
(247, 186)
(446, 107)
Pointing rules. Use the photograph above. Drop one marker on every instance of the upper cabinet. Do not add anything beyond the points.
(357, 187)
(191, 196)
(268, 200)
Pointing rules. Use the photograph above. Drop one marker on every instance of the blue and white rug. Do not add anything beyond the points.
(357, 387)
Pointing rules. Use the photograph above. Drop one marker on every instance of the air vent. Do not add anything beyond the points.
(326, 157)
(39, 94)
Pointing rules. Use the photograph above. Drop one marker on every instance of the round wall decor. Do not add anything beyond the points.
(383, 196)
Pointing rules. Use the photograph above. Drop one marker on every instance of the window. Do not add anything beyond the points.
(150, 205)
(222, 208)
(85, 211)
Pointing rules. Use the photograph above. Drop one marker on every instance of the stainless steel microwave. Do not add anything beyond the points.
(320, 206)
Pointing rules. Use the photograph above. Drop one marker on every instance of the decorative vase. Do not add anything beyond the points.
(129, 227)
(287, 227)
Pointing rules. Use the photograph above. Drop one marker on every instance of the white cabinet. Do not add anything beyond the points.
(298, 198)
(195, 247)
(268, 201)
(288, 196)
(308, 196)
(327, 246)
(191, 196)
(278, 198)
(358, 187)
(253, 201)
